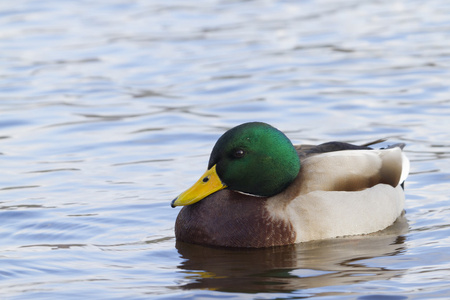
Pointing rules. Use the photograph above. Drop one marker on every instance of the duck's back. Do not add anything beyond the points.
(341, 193)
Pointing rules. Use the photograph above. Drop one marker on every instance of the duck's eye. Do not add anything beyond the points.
(238, 153)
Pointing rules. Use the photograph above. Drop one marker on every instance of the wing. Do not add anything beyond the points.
(307, 150)
(352, 170)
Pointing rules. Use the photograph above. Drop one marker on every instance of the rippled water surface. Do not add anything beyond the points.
(109, 109)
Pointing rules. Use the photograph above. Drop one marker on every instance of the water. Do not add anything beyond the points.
(109, 109)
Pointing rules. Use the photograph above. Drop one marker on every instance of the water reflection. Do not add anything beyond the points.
(332, 262)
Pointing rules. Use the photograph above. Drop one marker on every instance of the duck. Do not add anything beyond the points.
(260, 190)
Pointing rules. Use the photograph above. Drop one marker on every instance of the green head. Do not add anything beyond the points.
(255, 158)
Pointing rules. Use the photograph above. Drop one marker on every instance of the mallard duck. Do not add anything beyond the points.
(260, 190)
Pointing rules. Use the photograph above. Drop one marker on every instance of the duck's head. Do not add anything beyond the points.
(253, 158)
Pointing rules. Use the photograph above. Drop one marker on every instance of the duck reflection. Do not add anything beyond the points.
(340, 261)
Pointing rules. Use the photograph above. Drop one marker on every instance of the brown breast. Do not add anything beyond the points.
(232, 219)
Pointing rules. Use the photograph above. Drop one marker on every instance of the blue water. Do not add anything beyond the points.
(109, 109)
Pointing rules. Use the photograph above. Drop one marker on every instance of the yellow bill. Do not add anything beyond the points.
(207, 184)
